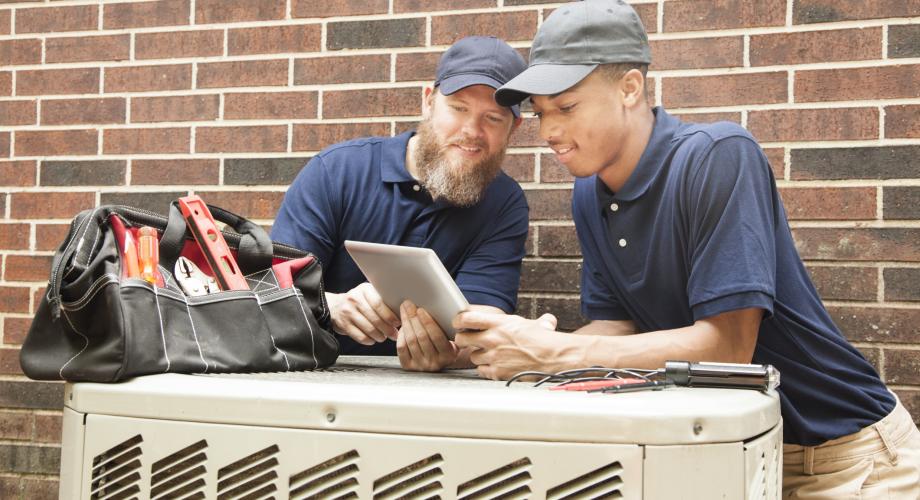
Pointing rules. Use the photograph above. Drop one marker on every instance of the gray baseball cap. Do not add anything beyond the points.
(574, 40)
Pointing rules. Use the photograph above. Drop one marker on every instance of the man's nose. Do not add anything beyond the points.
(549, 129)
(473, 127)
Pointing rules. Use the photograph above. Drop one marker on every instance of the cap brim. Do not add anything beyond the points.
(457, 83)
(542, 79)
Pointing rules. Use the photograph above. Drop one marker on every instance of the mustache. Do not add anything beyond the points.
(466, 142)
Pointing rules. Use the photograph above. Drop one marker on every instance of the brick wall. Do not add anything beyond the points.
(138, 102)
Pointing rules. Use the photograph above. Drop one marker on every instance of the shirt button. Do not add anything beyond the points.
(622, 242)
(614, 207)
(416, 188)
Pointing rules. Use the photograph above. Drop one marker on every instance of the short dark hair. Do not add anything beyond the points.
(613, 72)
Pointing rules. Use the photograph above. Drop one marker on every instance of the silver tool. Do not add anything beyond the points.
(192, 280)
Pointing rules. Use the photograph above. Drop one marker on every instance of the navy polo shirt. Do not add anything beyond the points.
(699, 229)
(360, 190)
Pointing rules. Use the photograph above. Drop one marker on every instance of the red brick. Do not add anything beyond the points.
(46, 206)
(58, 81)
(845, 283)
(45, 20)
(178, 172)
(830, 203)
(697, 53)
(823, 11)
(241, 139)
(345, 69)
(435, 5)
(40, 489)
(175, 108)
(5, 22)
(91, 48)
(417, 66)
(311, 8)
(5, 144)
(374, 102)
(527, 135)
(56, 142)
(9, 365)
(553, 171)
(26, 51)
(15, 330)
(146, 14)
(797, 125)
(902, 121)
(27, 268)
(82, 111)
(252, 204)
(231, 11)
(558, 241)
(50, 236)
(262, 105)
(15, 236)
(724, 90)
(148, 78)
(510, 26)
(314, 137)
(709, 117)
(886, 82)
(14, 299)
(877, 324)
(16, 425)
(175, 44)
(858, 244)
(243, 74)
(17, 112)
(274, 39)
(696, 15)
(902, 366)
(648, 14)
(17, 173)
(546, 204)
(519, 166)
(146, 140)
(47, 428)
(816, 46)
(777, 159)
(6, 82)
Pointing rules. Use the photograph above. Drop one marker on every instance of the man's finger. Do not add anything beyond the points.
(548, 320)
(434, 333)
(360, 322)
(411, 336)
(478, 320)
(375, 301)
(476, 340)
(364, 309)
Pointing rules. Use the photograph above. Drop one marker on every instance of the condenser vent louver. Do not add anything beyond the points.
(766, 468)
(417, 480)
(600, 483)
(511, 481)
(249, 478)
(115, 471)
(335, 478)
(181, 474)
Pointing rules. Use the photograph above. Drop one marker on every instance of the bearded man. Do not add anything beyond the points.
(440, 187)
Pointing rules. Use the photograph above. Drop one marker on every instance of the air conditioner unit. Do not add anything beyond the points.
(367, 429)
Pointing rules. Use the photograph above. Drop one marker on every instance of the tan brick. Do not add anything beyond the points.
(88, 48)
(83, 111)
(25, 51)
(696, 15)
(724, 90)
(314, 137)
(274, 39)
(886, 82)
(14, 236)
(48, 19)
(43, 206)
(709, 117)
(311, 8)
(345, 69)
(146, 140)
(511, 26)
(57, 81)
(549, 204)
(902, 121)
(15, 330)
(243, 74)
(17, 112)
(255, 204)
(175, 44)
(47, 428)
(231, 11)
(14, 299)
(27, 268)
(823, 11)
(146, 14)
(417, 66)
(56, 142)
(838, 124)
(175, 108)
(262, 105)
(241, 139)
(50, 236)
(148, 78)
(177, 172)
(845, 283)
(373, 102)
(829, 203)
(18, 425)
(816, 46)
(17, 173)
(696, 53)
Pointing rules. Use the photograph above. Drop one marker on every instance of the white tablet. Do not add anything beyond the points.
(399, 273)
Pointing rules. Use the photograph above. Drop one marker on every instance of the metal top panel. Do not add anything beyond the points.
(372, 394)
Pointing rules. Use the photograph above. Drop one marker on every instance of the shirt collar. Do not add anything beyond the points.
(650, 163)
(393, 159)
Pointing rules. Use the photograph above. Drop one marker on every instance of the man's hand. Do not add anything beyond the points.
(361, 314)
(422, 346)
(506, 345)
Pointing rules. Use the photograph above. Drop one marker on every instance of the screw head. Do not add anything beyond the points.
(330, 417)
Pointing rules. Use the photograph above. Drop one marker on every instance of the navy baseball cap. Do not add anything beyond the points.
(479, 60)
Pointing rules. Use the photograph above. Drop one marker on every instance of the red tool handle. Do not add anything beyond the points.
(212, 243)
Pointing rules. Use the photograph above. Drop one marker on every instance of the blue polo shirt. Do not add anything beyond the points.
(360, 190)
(699, 229)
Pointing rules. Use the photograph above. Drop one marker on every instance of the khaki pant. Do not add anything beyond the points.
(880, 461)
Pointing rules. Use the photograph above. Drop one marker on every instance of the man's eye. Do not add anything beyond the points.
(495, 118)
(567, 109)
(460, 109)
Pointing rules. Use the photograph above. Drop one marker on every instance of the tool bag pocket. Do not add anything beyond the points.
(96, 324)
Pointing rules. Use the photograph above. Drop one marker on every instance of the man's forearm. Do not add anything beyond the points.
(603, 327)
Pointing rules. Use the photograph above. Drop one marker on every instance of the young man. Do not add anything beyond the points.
(440, 187)
(685, 240)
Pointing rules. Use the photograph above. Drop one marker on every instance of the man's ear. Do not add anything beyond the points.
(427, 100)
(515, 124)
(632, 85)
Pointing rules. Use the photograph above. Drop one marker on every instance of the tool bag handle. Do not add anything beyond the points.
(254, 252)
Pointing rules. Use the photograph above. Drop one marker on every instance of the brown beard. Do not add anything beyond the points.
(458, 183)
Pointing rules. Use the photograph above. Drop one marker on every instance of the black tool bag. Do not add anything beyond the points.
(96, 324)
